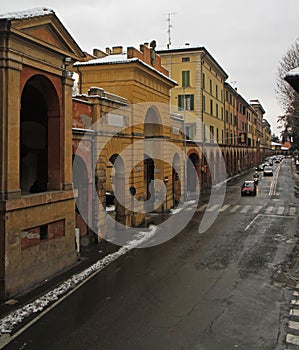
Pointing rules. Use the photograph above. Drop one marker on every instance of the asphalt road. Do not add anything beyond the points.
(207, 291)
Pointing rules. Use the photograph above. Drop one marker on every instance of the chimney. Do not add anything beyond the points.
(117, 50)
(108, 51)
(98, 53)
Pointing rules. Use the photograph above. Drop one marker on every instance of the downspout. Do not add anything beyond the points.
(80, 80)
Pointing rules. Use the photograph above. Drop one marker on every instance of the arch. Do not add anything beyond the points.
(212, 167)
(176, 179)
(149, 177)
(82, 184)
(152, 123)
(227, 163)
(192, 172)
(152, 149)
(118, 182)
(231, 163)
(40, 137)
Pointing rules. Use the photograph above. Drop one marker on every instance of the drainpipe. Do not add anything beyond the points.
(80, 80)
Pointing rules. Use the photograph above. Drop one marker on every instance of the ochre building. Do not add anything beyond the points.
(37, 207)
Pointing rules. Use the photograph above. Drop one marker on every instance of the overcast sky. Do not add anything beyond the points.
(247, 38)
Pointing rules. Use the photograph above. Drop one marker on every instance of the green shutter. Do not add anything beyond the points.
(192, 102)
(180, 102)
(185, 78)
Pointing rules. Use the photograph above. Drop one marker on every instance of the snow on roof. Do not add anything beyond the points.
(35, 12)
(294, 72)
(117, 59)
(121, 58)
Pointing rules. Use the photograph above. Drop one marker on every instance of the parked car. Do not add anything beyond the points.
(248, 188)
(268, 170)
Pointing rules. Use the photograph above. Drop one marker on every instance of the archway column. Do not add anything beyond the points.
(9, 132)
(66, 126)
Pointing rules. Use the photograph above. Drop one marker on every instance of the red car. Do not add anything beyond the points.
(248, 188)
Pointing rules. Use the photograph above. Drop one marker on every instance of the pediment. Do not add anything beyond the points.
(50, 32)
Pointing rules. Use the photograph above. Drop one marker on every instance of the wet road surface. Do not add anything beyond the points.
(205, 291)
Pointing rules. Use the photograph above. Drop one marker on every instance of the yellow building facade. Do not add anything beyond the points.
(140, 137)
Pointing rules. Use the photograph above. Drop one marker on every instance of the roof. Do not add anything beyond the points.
(110, 59)
(292, 78)
(42, 26)
(190, 49)
(35, 12)
(293, 72)
(256, 103)
(119, 59)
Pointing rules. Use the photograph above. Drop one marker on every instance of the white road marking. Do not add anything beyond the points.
(245, 209)
(235, 208)
(269, 215)
(224, 207)
(293, 339)
(213, 207)
(280, 210)
(269, 210)
(294, 325)
(257, 209)
(294, 312)
(202, 207)
(292, 211)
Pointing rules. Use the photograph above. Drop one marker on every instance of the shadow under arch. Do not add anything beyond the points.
(40, 136)
(192, 172)
(176, 179)
(153, 130)
(118, 185)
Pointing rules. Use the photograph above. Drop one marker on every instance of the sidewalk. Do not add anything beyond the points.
(88, 256)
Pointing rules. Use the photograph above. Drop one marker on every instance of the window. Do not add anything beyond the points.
(203, 81)
(185, 78)
(190, 132)
(235, 120)
(211, 107)
(204, 103)
(216, 91)
(211, 87)
(217, 110)
(189, 102)
(211, 133)
(185, 59)
(43, 232)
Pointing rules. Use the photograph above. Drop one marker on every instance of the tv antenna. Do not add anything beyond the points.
(169, 26)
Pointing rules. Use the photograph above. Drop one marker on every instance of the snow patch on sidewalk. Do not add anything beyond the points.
(8, 322)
